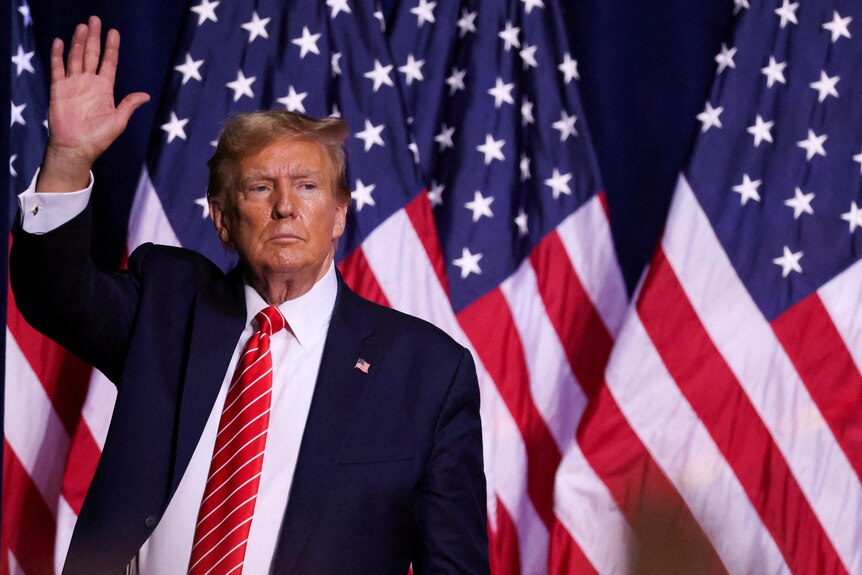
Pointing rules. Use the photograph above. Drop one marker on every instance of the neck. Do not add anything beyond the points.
(277, 288)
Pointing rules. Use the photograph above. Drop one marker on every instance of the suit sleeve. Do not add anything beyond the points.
(62, 294)
(451, 506)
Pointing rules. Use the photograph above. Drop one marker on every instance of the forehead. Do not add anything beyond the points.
(287, 157)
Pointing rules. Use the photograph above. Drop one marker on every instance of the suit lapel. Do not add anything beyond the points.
(337, 393)
(218, 319)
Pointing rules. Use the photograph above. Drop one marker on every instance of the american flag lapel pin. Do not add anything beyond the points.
(362, 365)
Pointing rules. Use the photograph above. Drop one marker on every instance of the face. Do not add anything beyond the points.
(284, 217)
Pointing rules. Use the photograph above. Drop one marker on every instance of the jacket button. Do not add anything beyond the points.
(151, 521)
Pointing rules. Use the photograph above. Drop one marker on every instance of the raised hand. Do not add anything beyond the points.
(82, 118)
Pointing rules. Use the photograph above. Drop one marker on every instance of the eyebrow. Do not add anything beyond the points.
(298, 174)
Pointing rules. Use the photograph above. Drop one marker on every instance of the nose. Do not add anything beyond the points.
(284, 203)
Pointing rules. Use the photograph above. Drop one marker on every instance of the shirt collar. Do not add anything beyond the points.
(307, 315)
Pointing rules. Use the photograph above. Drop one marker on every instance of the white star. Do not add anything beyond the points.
(747, 190)
(456, 80)
(761, 131)
(493, 149)
(362, 195)
(569, 68)
(787, 13)
(524, 166)
(838, 26)
(521, 222)
(205, 11)
(510, 37)
(380, 75)
(801, 203)
(527, 112)
(17, 116)
(371, 135)
(480, 206)
(710, 117)
(566, 125)
(858, 158)
(813, 145)
(307, 43)
(559, 183)
(424, 12)
(293, 101)
(724, 59)
(469, 263)
(12, 171)
(205, 206)
(335, 64)
(825, 86)
(175, 128)
(256, 27)
(412, 70)
(467, 22)
(739, 5)
(774, 72)
(444, 138)
(789, 262)
(853, 217)
(338, 6)
(530, 4)
(190, 69)
(22, 61)
(414, 148)
(24, 10)
(435, 194)
(502, 92)
(336, 113)
(528, 56)
(241, 86)
(379, 15)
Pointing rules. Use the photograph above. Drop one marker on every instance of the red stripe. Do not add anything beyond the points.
(503, 546)
(825, 365)
(575, 319)
(358, 275)
(653, 507)
(489, 324)
(714, 393)
(566, 558)
(64, 376)
(29, 527)
(421, 215)
(81, 464)
(603, 200)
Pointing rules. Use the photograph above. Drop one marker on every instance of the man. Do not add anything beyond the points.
(267, 420)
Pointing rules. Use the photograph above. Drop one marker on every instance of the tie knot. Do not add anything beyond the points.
(270, 320)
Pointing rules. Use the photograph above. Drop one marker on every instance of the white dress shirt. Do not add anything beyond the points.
(296, 353)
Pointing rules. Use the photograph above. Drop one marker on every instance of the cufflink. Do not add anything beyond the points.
(35, 210)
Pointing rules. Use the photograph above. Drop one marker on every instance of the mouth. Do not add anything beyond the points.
(285, 237)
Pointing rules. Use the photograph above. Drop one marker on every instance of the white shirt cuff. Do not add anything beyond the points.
(45, 212)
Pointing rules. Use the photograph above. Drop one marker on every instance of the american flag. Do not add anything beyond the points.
(476, 205)
(736, 375)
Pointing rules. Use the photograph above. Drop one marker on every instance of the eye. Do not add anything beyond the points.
(259, 188)
(309, 186)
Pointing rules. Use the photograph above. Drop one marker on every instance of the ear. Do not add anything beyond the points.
(340, 220)
(221, 221)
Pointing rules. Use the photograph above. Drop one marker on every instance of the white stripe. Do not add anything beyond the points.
(589, 513)
(147, 221)
(225, 518)
(14, 566)
(240, 431)
(554, 389)
(746, 341)
(247, 387)
(214, 547)
(586, 235)
(66, 519)
(225, 555)
(32, 427)
(240, 412)
(677, 441)
(842, 297)
(226, 499)
(231, 476)
(401, 266)
(98, 406)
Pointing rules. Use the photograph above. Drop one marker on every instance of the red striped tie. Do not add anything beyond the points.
(227, 508)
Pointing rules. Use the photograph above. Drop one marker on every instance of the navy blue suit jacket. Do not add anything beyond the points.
(390, 464)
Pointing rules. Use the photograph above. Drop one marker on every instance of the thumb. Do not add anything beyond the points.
(131, 103)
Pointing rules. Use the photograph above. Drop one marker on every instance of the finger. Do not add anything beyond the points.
(74, 63)
(112, 55)
(58, 70)
(131, 103)
(92, 48)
